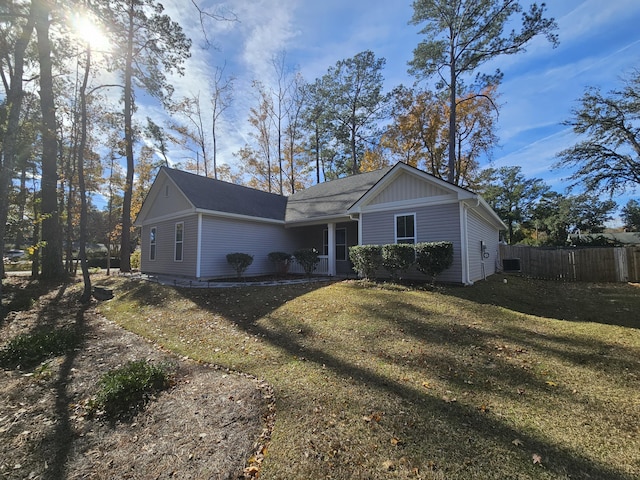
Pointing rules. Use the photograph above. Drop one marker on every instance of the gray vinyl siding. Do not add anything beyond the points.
(168, 200)
(436, 223)
(165, 248)
(479, 230)
(221, 236)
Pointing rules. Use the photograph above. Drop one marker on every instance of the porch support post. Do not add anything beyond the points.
(331, 233)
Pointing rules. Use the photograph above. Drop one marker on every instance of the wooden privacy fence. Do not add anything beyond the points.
(604, 264)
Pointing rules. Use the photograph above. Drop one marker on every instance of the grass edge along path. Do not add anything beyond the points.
(384, 381)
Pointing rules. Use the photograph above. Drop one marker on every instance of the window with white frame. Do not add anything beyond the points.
(152, 243)
(406, 228)
(179, 241)
(341, 243)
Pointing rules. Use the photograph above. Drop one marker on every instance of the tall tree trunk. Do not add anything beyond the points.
(51, 232)
(14, 101)
(35, 256)
(215, 149)
(356, 169)
(125, 244)
(317, 140)
(452, 118)
(86, 293)
(22, 202)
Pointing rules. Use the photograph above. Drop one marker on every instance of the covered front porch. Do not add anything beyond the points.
(332, 240)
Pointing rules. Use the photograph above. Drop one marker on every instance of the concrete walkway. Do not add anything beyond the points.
(188, 283)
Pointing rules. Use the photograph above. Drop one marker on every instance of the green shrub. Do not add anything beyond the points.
(124, 391)
(281, 260)
(308, 258)
(134, 260)
(240, 262)
(434, 258)
(276, 257)
(366, 259)
(397, 258)
(29, 350)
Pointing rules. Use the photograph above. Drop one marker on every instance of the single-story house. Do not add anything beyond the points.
(190, 223)
(612, 238)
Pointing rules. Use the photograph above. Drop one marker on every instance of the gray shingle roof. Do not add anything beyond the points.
(331, 198)
(324, 200)
(218, 196)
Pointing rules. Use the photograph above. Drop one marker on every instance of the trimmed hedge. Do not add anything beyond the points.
(239, 261)
(430, 258)
(397, 258)
(308, 258)
(366, 259)
(433, 258)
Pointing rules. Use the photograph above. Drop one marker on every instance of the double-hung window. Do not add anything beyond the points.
(179, 241)
(152, 243)
(406, 228)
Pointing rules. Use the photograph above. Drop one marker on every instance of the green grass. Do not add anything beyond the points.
(124, 391)
(30, 349)
(390, 382)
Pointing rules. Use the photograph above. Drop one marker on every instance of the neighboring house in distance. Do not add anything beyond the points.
(614, 238)
(190, 223)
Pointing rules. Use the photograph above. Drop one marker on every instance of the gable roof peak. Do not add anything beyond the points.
(219, 196)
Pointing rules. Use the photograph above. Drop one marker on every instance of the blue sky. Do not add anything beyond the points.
(599, 45)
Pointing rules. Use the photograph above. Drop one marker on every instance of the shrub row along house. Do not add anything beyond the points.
(190, 223)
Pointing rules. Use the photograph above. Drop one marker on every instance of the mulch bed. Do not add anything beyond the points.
(206, 426)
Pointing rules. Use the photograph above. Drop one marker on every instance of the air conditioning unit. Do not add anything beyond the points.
(511, 265)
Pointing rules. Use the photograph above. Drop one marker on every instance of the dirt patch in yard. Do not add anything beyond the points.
(207, 425)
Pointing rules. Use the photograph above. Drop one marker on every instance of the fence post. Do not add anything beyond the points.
(620, 259)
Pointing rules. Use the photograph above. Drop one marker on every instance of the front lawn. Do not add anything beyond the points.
(525, 379)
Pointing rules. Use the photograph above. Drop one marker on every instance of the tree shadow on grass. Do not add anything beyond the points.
(475, 429)
(605, 303)
(61, 438)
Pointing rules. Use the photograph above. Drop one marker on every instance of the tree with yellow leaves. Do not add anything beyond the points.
(419, 132)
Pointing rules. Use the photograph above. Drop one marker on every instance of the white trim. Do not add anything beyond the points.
(411, 203)
(199, 246)
(398, 168)
(464, 245)
(175, 242)
(331, 234)
(415, 226)
(210, 213)
(319, 221)
(346, 243)
(149, 200)
(166, 218)
(237, 216)
(487, 213)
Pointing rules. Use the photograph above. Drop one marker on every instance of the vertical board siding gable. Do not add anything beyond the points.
(407, 187)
